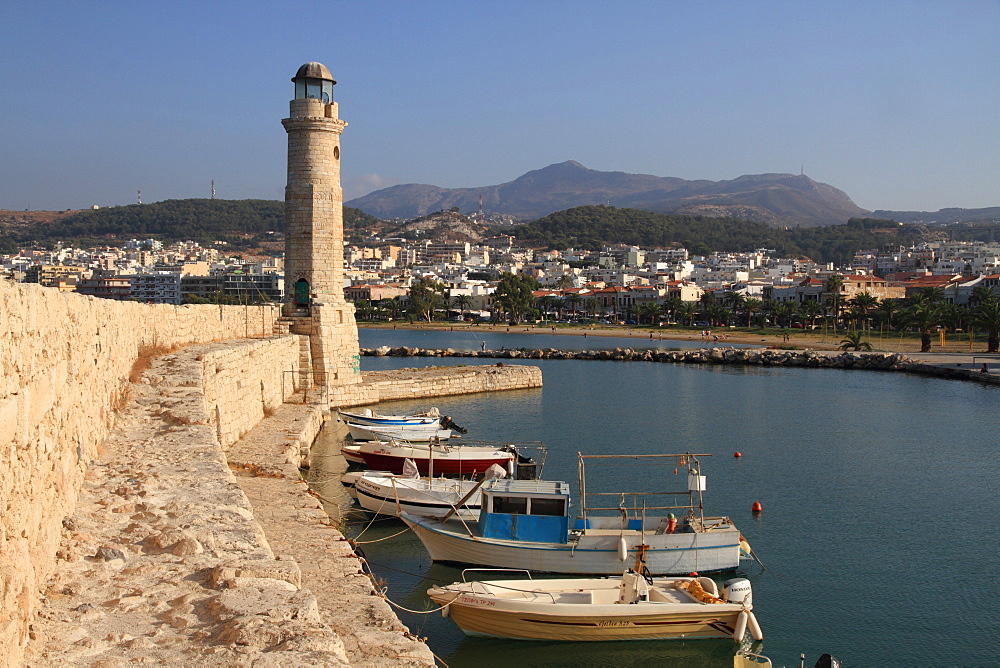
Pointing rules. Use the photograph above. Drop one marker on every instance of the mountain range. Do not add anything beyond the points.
(782, 200)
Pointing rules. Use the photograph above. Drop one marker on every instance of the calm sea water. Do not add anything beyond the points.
(879, 529)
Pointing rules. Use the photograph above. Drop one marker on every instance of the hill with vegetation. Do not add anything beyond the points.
(240, 223)
(592, 227)
(944, 216)
(783, 200)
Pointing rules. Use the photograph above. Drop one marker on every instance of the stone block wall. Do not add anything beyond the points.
(420, 383)
(245, 382)
(65, 360)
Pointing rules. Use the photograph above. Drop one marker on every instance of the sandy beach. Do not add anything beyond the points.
(792, 338)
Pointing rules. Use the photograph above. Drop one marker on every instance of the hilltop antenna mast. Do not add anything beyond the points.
(139, 195)
(802, 169)
(213, 188)
(480, 207)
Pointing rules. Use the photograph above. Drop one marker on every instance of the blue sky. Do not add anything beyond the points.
(896, 103)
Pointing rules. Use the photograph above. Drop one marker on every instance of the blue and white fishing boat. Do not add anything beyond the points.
(525, 524)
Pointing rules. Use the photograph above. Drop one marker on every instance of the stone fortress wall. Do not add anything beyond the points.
(65, 362)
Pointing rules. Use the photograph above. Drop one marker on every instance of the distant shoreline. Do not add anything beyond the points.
(799, 339)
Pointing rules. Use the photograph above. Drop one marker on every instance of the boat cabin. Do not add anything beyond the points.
(534, 511)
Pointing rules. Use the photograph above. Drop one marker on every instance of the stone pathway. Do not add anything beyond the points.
(163, 562)
(295, 523)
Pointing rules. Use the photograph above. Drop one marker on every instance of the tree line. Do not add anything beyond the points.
(593, 227)
(924, 312)
(238, 222)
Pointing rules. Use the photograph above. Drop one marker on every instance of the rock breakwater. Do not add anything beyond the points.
(718, 355)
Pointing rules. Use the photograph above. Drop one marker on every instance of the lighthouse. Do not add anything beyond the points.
(314, 233)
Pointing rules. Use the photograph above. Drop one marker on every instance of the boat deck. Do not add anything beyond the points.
(537, 592)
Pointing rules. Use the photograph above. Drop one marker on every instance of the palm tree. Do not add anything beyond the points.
(751, 305)
(833, 287)
(933, 295)
(810, 308)
(718, 315)
(573, 299)
(980, 294)
(590, 305)
(653, 312)
(887, 310)
(390, 305)
(784, 311)
(987, 317)
(866, 303)
(925, 317)
(671, 304)
(462, 302)
(852, 341)
(686, 312)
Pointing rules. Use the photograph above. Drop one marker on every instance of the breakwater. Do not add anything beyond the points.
(768, 357)
(738, 356)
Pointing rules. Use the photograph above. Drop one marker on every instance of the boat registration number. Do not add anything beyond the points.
(614, 622)
(477, 601)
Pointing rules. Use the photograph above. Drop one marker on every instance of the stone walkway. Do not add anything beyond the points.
(164, 562)
(295, 523)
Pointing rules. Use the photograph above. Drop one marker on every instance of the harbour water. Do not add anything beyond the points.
(879, 529)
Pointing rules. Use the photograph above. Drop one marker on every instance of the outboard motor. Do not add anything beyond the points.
(737, 590)
(526, 468)
(447, 423)
(827, 661)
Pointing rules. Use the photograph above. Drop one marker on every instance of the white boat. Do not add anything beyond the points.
(630, 607)
(525, 524)
(352, 453)
(409, 432)
(390, 494)
(466, 460)
(367, 417)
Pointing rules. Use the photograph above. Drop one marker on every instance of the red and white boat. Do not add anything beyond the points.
(436, 458)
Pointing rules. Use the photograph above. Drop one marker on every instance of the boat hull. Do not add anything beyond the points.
(386, 420)
(409, 432)
(484, 621)
(498, 609)
(448, 460)
(385, 495)
(668, 554)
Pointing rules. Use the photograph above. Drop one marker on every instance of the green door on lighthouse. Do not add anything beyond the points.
(301, 292)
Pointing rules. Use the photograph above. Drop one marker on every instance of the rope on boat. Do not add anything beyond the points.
(379, 540)
(381, 594)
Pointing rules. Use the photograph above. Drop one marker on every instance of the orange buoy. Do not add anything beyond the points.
(675, 471)
(737, 454)
(693, 574)
(757, 507)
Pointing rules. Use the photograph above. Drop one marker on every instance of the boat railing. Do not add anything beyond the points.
(635, 504)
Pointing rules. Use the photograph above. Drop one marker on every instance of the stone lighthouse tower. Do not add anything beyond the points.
(314, 233)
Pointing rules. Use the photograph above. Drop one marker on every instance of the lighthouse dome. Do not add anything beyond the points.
(314, 70)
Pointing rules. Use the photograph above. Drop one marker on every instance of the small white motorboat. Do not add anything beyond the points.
(369, 418)
(352, 453)
(386, 493)
(436, 458)
(631, 607)
(417, 433)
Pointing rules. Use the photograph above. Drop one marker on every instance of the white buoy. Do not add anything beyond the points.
(741, 626)
(622, 549)
(755, 631)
